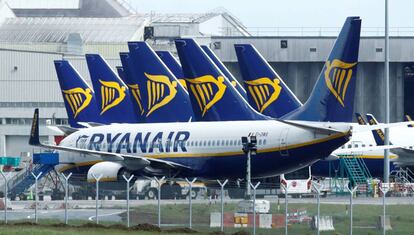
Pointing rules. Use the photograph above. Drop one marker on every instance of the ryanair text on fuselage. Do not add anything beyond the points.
(140, 143)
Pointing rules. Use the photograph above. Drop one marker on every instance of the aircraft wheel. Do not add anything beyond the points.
(152, 194)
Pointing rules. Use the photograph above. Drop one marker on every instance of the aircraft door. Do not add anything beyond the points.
(283, 142)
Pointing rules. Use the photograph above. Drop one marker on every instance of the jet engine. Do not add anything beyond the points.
(110, 172)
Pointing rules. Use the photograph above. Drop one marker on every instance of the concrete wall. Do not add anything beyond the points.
(371, 48)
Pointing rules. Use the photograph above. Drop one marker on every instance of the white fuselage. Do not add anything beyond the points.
(207, 146)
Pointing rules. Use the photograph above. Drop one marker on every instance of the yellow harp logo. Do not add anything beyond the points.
(78, 99)
(264, 91)
(112, 94)
(183, 83)
(337, 77)
(137, 96)
(205, 94)
(160, 91)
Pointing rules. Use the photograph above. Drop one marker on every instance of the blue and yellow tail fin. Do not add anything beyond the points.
(225, 71)
(132, 84)
(164, 98)
(112, 94)
(79, 98)
(407, 118)
(378, 134)
(212, 96)
(360, 119)
(332, 98)
(120, 71)
(175, 67)
(266, 91)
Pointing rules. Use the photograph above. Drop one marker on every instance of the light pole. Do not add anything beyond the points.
(387, 97)
(5, 196)
(249, 148)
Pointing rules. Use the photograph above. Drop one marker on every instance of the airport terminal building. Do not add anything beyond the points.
(32, 36)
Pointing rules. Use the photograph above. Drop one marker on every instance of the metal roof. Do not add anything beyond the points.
(57, 29)
(108, 30)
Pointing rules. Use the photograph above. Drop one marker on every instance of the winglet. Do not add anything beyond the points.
(34, 133)
(360, 119)
(378, 134)
(408, 119)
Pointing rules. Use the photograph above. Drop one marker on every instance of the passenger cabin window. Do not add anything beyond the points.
(227, 142)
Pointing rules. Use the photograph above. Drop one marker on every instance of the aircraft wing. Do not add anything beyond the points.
(362, 128)
(106, 156)
(359, 151)
(403, 151)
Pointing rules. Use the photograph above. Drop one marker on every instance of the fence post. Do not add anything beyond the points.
(384, 191)
(66, 195)
(127, 195)
(285, 188)
(351, 192)
(317, 187)
(97, 195)
(222, 202)
(190, 183)
(159, 181)
(36, 194)
(5, 196)
(254, 187)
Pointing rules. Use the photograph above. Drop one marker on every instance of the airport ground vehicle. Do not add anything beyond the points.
(298, 183)
(148, 189)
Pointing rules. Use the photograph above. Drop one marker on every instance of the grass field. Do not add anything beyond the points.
(365, 221)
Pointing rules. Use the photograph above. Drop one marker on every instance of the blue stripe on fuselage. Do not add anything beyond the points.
(263, 164)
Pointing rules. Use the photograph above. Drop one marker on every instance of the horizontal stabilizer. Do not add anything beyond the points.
(90, 124)
(311, 126)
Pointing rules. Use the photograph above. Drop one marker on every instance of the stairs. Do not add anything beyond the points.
(24, 179)
(357, 172)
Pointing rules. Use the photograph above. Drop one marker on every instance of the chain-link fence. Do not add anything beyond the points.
(222, 205)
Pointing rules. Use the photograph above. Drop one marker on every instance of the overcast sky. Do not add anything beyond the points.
(292, 13)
